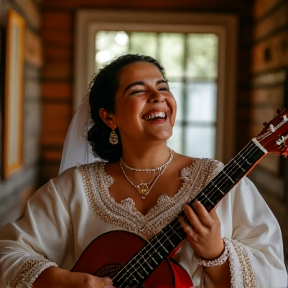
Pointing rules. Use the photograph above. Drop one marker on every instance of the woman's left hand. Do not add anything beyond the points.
(203, 231)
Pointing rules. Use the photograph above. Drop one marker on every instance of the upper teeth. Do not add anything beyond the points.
(156, 114)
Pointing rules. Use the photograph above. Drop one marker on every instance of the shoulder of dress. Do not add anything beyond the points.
(90, 166)
(206, 164)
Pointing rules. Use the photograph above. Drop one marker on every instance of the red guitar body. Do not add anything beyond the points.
(108, 253)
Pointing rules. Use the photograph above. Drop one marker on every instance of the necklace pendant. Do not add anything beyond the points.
(142, 189)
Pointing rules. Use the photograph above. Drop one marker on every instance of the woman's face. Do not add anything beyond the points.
(145, 109)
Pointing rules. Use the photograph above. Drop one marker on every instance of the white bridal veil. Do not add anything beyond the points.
(77, 149)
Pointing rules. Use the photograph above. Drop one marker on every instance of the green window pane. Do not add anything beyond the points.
(201, 101)
(200, 141)
(109, 45)
(171, 53)
(143, 43)
(202, 55)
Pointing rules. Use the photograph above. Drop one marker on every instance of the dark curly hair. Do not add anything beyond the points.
(102, 91)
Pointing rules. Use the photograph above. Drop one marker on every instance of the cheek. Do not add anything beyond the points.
(127, 111)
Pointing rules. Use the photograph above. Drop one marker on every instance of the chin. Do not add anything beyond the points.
(165, 136)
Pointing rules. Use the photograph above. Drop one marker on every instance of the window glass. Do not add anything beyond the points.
(202, 55)
(175, 141)
(144, 43)
(198, 141)
(176, 88)
(201, 101)
(109, 45)
(171, 53)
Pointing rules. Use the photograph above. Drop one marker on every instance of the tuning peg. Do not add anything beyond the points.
(278, 111)
(265, 123)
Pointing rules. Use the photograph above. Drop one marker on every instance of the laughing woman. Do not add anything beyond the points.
(140, 187)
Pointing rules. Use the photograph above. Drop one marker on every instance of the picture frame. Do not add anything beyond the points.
(2, 67)
(13, 95)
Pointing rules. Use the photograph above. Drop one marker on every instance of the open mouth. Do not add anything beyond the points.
(155, 115)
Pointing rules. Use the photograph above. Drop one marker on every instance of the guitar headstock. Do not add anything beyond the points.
(274, 136)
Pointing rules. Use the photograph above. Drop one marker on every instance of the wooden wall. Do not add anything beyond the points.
(15, 190)
(57, 75)
(267, 92)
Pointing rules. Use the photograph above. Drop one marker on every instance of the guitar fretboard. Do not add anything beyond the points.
(141, 266)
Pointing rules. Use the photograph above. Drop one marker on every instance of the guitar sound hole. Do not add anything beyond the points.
(108, 270)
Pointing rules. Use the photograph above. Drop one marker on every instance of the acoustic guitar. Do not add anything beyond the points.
(133, 262)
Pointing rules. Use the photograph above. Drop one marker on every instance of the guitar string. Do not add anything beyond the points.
(227, 174)
(146, 255)
(172, 228)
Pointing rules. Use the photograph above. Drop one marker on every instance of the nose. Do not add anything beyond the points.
(156, 96)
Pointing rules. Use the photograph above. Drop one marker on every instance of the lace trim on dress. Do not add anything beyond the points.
(125, 215)
(242, 274)
(246, 266)
(29, 272)
(235, 266)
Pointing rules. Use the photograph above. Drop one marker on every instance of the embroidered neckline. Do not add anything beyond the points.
(125, 215)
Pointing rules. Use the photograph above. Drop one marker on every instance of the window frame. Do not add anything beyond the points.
(87, 22)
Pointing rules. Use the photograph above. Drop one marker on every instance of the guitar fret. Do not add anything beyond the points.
(148, 264)
(244, 158)
(228, 176)
(207, 199)
(238, 165)
(141, 276)
(143, 257)
(169, 240)
(127, 277)
(164, 248)
(144, 269)
(217, 187)
(154, 260)
(155, 249)
(175, 232)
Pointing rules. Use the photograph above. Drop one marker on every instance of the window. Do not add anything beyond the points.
(198, 61)
(192, 68)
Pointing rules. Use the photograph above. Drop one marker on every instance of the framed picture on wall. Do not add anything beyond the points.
(13, 95)
(2, 56)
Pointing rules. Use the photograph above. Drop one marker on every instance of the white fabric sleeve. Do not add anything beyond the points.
(37, 241)
(77, 149)
(256, 238)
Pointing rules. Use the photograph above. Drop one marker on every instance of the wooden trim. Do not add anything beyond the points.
(14, 89)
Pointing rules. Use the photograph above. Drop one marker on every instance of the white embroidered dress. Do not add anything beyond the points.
(67, 213)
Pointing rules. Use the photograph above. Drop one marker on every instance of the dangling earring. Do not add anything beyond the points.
(113, 139)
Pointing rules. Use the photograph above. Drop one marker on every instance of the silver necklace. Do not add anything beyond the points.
(158, 169)
(143, 188)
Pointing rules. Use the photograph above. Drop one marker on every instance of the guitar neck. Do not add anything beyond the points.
(231, 174)
(140, 267)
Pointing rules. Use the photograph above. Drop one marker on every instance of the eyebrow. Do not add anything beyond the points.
(142, 83)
